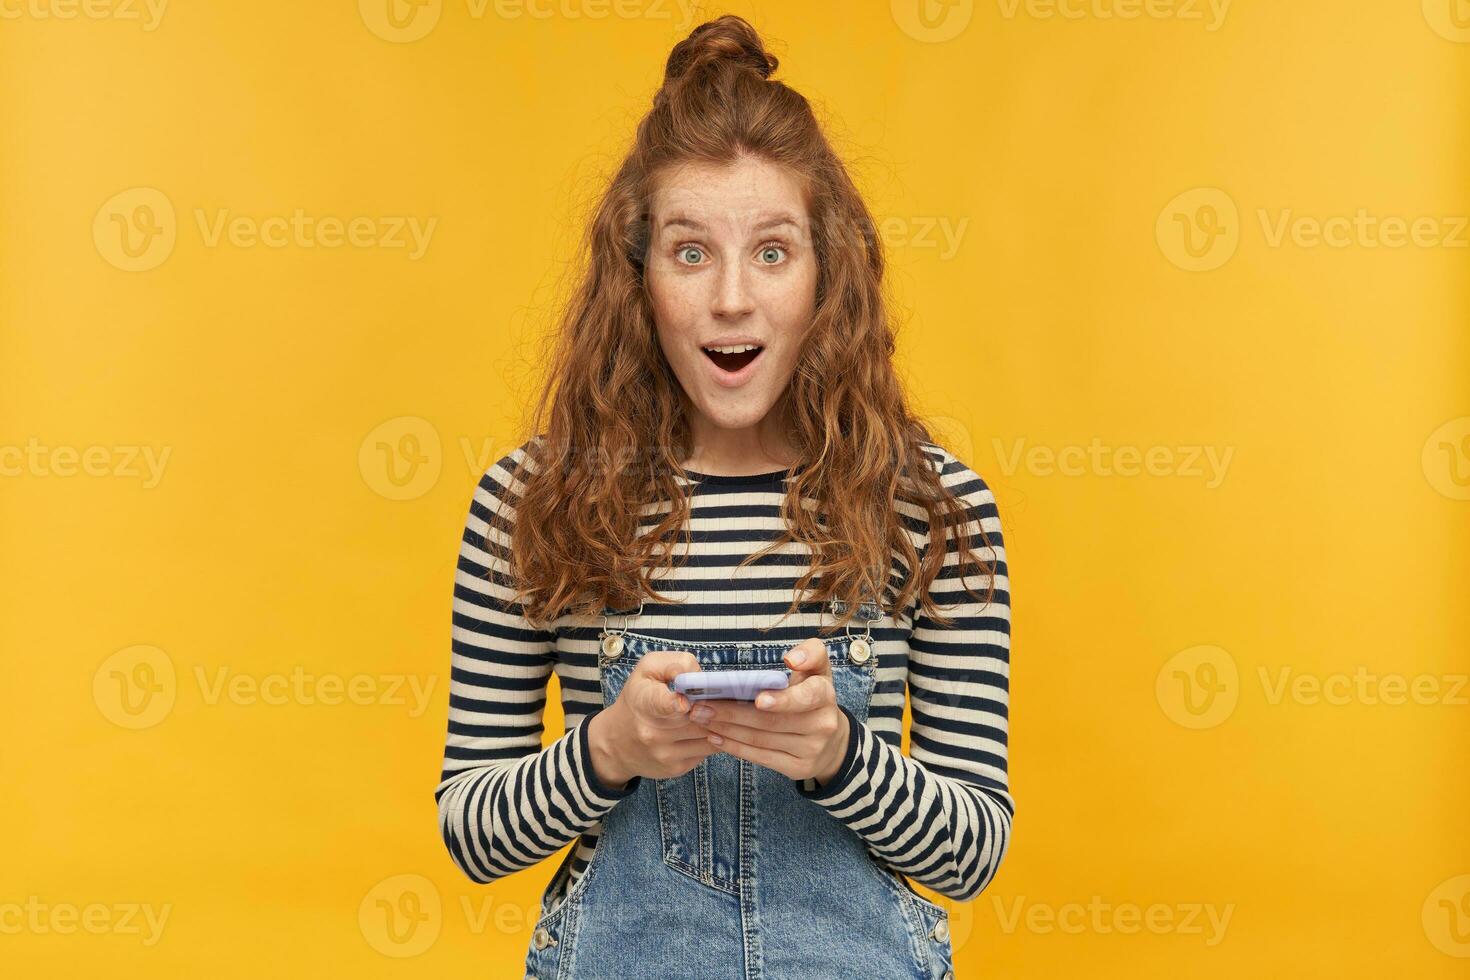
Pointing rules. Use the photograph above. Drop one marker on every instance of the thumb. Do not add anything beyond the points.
(809, 657)
(662, 666)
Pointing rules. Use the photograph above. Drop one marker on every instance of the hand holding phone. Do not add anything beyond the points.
(647, 731)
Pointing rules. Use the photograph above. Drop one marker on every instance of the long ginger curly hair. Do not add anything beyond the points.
(610, 417)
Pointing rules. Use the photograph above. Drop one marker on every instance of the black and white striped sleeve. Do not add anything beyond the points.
(506, 803)
(942, 814)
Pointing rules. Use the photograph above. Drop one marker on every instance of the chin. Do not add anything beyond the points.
(737, 417)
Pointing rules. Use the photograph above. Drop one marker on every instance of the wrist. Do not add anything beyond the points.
(836, 754)
(601, 746)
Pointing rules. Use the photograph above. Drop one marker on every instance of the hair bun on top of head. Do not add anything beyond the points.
(725, 39)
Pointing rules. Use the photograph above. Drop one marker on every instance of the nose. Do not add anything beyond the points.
(732, 297)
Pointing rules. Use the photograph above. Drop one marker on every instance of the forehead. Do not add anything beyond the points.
(731, 197)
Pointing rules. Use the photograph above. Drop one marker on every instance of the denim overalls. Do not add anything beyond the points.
(727, 872)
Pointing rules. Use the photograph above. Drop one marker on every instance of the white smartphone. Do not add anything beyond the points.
(738, 685)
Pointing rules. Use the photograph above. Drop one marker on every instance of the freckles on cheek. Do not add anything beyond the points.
(673, 316)
(681, 319)
(671, 300)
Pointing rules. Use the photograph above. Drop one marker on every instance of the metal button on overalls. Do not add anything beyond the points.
(941, 930)
(541, 938)
(612, 640)
(860, 651)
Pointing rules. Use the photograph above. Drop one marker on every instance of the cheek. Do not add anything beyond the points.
(674, 312)
(790, 309)
(791, 300)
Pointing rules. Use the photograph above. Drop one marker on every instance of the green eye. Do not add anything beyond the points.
(773, 250)
(689, 250)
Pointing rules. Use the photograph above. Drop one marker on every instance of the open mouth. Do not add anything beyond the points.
(733, 358)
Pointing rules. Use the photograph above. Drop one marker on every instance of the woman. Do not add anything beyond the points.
(728, 476)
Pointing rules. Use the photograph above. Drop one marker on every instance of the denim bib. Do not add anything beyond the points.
(728, 871)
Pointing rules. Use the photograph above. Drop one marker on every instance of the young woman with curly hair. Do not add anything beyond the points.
(725, 475)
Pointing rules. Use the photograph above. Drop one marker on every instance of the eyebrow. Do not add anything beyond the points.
(771, 221)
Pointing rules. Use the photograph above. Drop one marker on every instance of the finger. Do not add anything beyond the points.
(791, 743)
(746, 712)
(809, 657)
(691, 732)
(782, 762)
(807, 694)
(661, 667)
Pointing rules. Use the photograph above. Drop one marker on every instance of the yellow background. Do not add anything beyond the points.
(294, 838)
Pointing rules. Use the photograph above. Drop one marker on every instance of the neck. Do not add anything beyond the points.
(760, 448)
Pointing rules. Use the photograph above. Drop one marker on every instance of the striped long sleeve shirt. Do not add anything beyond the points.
(940, 814)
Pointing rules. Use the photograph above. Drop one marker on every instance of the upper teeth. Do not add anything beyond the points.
(736, 349)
